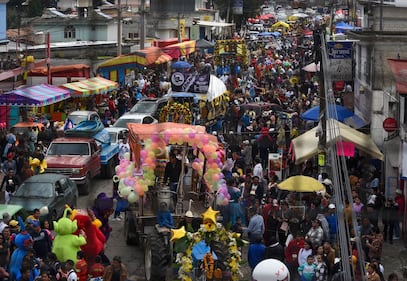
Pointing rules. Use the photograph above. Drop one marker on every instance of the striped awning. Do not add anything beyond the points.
(38, 95)
(91, 86)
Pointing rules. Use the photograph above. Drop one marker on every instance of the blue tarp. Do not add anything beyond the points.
(342, 112)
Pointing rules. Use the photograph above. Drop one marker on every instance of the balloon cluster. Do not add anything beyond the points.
(133, 183)
(223, 196)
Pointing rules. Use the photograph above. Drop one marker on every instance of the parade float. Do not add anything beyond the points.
(196, 97)
(139, 178)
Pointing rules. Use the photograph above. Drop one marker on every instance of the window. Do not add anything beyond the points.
(69, 32)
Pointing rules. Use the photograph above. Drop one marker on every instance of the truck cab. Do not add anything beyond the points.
(77, 158)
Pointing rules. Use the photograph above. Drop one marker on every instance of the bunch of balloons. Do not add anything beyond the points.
(133, 182)
(222, 196)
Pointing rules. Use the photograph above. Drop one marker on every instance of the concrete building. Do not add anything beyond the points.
(383, 36)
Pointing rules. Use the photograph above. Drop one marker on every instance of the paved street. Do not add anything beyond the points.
(133, 256)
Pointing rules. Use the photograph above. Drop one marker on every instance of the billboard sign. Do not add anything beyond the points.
(190, 82)
(340, 60)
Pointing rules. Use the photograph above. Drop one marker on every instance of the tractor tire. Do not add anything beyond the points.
(222, 252)
(130, 230)
(157, 258)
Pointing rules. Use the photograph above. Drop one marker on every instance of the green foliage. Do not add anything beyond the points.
(181, 245)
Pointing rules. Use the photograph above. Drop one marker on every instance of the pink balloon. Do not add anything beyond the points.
(143, 154)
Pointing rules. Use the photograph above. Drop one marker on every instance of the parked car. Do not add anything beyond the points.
(82, 115)
(51, 190)
(151, 106)
(139, 118)
(117, 134)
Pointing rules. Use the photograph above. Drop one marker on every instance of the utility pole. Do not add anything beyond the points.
(119, 28)
(142, 24)
(179, 27)
(48, 57)
(319, 40)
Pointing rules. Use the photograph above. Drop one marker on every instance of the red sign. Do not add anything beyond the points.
(390, 124)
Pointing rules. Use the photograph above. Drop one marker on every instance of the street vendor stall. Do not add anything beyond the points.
(92, 88)
(120, 68)
(36, 98)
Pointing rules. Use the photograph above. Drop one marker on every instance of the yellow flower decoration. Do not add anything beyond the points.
(176, 112)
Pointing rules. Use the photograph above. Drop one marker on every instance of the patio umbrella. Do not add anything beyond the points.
(312, 67)
(300, 15)
(312, 114)
(181, 64)
(281, 23)
(301, 184)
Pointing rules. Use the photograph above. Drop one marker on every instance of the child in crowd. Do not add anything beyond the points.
(307, 270)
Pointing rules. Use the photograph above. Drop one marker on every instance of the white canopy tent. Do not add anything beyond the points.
(305, 146)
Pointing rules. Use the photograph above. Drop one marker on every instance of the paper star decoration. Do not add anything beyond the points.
(210, 215)
(178, 233)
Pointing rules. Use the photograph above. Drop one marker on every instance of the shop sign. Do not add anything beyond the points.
(390, 124)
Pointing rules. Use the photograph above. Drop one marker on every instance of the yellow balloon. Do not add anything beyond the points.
(133, 197)
(178, 233)
(210, 215)
(127, 156)
(97, 223)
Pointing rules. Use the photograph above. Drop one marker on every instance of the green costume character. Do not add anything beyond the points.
(66, 244)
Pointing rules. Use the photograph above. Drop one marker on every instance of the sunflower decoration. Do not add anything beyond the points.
(211, 233)
(176, 112)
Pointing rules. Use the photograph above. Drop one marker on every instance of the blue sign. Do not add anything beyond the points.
(340, 50)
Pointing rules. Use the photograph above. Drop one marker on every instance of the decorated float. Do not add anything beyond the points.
(139, 181)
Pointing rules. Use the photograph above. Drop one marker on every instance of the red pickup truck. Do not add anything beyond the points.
(82, 157)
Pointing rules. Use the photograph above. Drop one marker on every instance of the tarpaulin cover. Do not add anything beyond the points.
(180, 49)
(38, 95)
(306, 145)
(145, 57)
(91, 86)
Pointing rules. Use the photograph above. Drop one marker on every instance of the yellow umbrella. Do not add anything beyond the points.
(281, 23)
(301, 184)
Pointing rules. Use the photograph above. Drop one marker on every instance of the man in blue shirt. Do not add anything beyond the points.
(255, 228)
(164, 218)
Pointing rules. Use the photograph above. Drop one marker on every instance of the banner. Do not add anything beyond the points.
(237, 7)
(340, 60)
(182, 28)
(194, 82)
(276, 164)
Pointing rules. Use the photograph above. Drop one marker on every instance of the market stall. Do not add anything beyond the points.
(36, 99)
(89, 91)
(119, 68)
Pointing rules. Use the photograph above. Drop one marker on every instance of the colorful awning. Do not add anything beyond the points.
(91, 86)
(399, 70)
(38, 95)
(163, 59)
(145, 57)
(180, 49)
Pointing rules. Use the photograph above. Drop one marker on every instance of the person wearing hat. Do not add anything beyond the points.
(190, 223)
(117, 271)
(332, 219)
